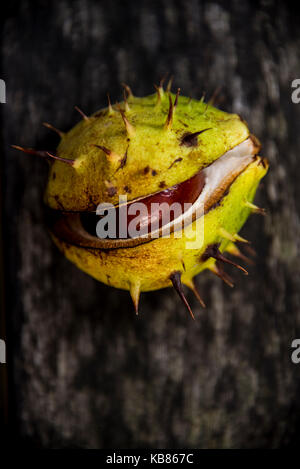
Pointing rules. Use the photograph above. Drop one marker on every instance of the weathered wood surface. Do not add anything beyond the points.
(83, 370)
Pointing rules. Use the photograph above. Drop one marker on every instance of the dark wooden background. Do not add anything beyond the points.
(83, 370)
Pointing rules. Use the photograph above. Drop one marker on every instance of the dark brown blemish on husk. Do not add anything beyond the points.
(127, 189)
(162, 184)
(175, 161)
(189, 139)
(263, 162)
(183, 123)
(111, 191)
(91, 200)
(154, 172)
(123, 160)
(56, 197)
(146, 170)
(209, 251)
